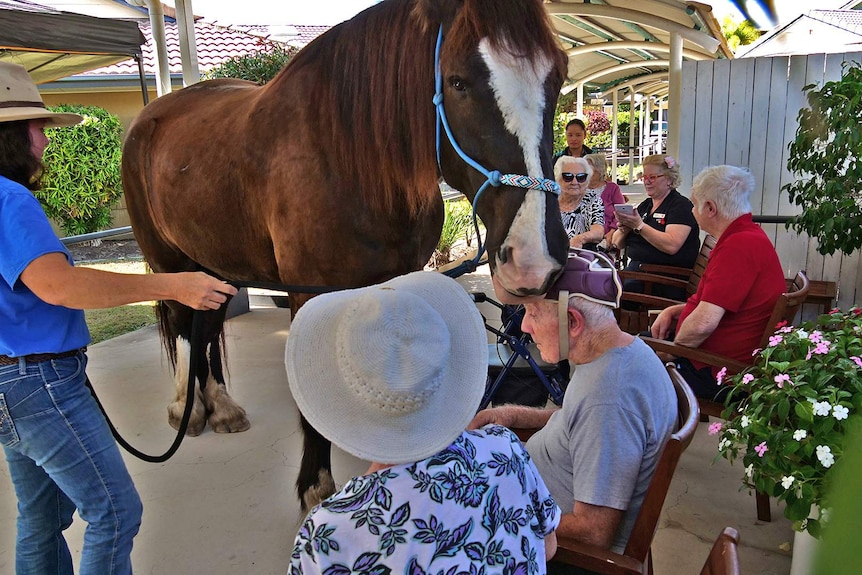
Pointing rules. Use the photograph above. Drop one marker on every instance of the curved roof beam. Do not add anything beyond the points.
(629, 45)
(627, 15)
(598, 71)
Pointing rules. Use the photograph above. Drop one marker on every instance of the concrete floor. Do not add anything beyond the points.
(224, 504)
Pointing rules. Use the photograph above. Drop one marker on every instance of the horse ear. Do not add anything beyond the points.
(432, 13)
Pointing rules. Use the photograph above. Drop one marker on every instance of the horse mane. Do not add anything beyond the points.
(375, 82)
(373, 102)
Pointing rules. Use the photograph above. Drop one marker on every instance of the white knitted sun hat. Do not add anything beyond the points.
(391, 373)
(20, 99)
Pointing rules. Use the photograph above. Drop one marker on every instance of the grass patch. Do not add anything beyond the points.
(107, 323)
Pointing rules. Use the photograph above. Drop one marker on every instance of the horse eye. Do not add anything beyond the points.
(457, 83)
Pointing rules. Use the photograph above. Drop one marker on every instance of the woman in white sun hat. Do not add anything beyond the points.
(392, 374)
(58, 447)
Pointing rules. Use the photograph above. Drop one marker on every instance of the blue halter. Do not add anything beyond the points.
(493, 178)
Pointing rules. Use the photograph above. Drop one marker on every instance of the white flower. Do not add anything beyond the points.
(822, 408)
(749, 471)
(744, 421)
(802, 333)
(825, 513)
(840, 412)
(787, 481)
(824, 455)
(723, 444)
(800, 434)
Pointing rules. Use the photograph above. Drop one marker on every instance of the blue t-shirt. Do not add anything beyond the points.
(28, 324)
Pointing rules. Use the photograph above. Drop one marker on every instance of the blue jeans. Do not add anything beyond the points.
(62, 457)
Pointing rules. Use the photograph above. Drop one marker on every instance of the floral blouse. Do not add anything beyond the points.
(479, 507)
(589, 212)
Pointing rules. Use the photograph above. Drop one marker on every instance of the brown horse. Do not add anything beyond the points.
(327, 175)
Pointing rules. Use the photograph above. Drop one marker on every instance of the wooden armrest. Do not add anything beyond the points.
(586, 556)
(695, 354)
(653, 279)
(672, 270)
(649, 301)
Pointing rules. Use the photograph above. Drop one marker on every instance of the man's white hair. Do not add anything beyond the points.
(728, 187)
(595, 314)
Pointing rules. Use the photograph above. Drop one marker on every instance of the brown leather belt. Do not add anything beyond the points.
(39, 357)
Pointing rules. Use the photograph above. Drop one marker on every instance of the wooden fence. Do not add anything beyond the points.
(744, 112)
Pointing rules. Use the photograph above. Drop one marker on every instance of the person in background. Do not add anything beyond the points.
(392, 374)
(599, 450)
(59, 449)
(608, 191)
(581, 209)
(740, 285)
(576, 133)
(662, 229)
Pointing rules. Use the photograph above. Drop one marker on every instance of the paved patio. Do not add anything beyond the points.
(224, 504)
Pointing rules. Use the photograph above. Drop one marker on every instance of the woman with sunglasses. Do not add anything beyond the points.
(662, 230)
(581, 209)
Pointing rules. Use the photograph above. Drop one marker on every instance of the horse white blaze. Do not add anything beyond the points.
(519, 89)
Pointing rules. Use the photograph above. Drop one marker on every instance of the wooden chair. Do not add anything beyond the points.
(637, 557)
(786, 307)
(637, 321)
(723, 558)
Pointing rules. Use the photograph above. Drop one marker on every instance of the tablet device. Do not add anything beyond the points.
(626, 209)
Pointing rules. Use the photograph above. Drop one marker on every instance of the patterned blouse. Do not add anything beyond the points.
(478, 507)
(589, 212)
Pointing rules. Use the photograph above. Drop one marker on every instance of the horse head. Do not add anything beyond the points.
(501, 71)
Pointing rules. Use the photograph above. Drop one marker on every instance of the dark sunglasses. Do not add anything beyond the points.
(568, 177)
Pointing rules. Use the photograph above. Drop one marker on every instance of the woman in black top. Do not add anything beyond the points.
(663, 229)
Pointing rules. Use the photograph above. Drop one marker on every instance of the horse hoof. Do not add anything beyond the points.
(319, 492)
(235, 424)
(197, 421)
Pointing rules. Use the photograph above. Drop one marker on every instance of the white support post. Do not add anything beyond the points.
(614, 131)
(188, 45)
(674, 95)
(631, 135)
(579, 106)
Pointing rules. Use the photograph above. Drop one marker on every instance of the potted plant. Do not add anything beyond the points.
(788, 414)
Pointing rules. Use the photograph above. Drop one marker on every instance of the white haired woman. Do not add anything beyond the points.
(581, 209)
(608, 191)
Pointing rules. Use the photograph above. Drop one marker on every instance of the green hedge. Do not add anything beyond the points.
(82, 178)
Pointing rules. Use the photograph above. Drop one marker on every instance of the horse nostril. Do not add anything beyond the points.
(504, 255)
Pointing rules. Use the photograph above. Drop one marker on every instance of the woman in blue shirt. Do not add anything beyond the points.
(58, 447)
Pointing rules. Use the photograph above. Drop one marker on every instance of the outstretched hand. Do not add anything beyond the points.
(497, 415)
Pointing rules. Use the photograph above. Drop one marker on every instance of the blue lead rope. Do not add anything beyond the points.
(493, 178)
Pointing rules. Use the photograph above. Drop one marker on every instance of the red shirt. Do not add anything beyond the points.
(744, 277)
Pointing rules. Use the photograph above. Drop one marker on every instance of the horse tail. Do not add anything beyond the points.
(166, 332)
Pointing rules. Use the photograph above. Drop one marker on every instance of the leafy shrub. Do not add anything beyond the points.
(260, 67)
(789, 413)
(457, 224)
(825, 155)
(82, 178)
(597, 122)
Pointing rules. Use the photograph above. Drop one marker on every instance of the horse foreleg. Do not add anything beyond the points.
(198, 418)
(225, 415)
(314, 483)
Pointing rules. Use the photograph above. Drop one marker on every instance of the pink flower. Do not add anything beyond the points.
(815, 337)
(775, 340)
(755, 352)
(719, 377)
(856, 360)
(747, 378)
(714, 427)
(669, 162)
(761, 449)
(822, 348)
(780, 324)
(781, 378)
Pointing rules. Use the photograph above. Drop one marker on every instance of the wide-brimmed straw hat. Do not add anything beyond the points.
(391, 373)
(588, 275)
(20, 99)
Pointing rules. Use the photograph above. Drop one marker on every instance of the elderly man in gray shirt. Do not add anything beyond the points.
(597, 453)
